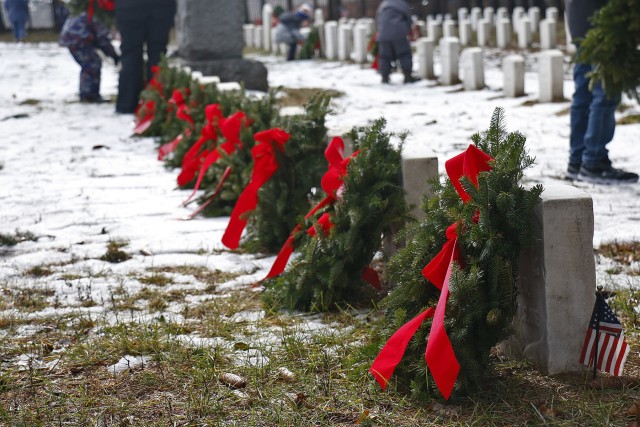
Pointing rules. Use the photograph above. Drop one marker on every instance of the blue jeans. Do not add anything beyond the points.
(19, 31)
(592, 121)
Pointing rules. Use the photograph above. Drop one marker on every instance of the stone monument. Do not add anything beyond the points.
(210, 40)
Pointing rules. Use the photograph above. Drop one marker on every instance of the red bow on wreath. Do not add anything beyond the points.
(441, 359)
(265, 165)
(193, 157)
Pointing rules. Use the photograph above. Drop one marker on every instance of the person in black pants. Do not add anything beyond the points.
(142, 23)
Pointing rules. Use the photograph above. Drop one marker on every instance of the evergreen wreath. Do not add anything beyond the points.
(328, 273)
(611, 45)
(312, 42)
(106, 17)
(493, 226)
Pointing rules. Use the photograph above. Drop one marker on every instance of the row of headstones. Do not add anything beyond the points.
(524, 23)
(349, 38)
(471, 62)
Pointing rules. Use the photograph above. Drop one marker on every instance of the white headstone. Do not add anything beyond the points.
(425, 47)
(331, 36)
(449, 29)
(534, 18)
(422, 28)
(489, 15)
(472, 68)
(267, 21)
(361, 41)
(435, 30)
(547, 34)
(464, 30)
(257, 37)
(449, 53)
(556, 283)
(517, 15)
(248, 34)
(418, 167)
(484, 31)
(274, 45)
(552, 13)
(550, 76)
(345, 38)
(513, 74)
(524, 33)
(476, 15)
(318, 17)
(502, 13)
(503, 33)
(463, 14)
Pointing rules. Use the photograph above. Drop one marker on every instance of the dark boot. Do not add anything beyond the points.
(408, 78)
(385, 80)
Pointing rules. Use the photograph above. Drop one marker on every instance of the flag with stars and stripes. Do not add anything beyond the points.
(604, 344)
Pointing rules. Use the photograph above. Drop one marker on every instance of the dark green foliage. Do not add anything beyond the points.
(76, 7)
(482, 299)
(308, 49)
(612, 46)
(17, 237)
(285, 198)
(328, 272)
(168, 79)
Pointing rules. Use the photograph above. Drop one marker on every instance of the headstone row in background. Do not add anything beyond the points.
(348, 39)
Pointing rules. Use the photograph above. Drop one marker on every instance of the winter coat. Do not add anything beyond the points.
(78, 32)
(143, 4)
(17, 10)
(288, 28)
(393, 20)
(578, 14)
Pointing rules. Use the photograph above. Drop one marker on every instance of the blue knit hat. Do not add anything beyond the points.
(305, 11)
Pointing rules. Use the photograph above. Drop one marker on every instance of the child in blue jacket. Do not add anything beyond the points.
(84, 34)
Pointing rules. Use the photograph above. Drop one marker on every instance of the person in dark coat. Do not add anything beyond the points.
(393, 20)
(18, 14)
(143, 25)
(82, 35)
(288, 29)
(592, 112)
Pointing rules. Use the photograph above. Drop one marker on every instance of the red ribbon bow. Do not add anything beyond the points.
(331, 182)
(230, 130)
(194, 157)
(265, 165)
(145, 115)
(441, 359)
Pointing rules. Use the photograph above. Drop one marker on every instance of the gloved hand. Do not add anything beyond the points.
(116, 59)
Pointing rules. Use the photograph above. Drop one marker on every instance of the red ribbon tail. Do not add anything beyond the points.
(392, 352)
(208, 161)
(224, 177)
(371, 277)
(440, 357)
(143, 125)
(169, 147)
(283, 257)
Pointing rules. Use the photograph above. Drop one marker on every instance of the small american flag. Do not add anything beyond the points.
(612, 348)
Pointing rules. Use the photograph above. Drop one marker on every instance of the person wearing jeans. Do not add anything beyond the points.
(592, 112)
(143, 25)
(18, 14)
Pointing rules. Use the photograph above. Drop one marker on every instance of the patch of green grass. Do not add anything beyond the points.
(156, 280)
(39, 271)
(114, 253)
(630, 119)
(202, 274)
(17, 237)
(301, 96)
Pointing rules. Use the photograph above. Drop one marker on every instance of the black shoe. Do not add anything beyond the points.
(385, 80)
(607, 175)
(92, 99)
(408, 78)
(572, 171)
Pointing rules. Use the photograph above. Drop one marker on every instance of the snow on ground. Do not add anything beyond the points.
(73, 175)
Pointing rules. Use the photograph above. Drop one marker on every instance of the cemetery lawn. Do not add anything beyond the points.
(296, 369)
